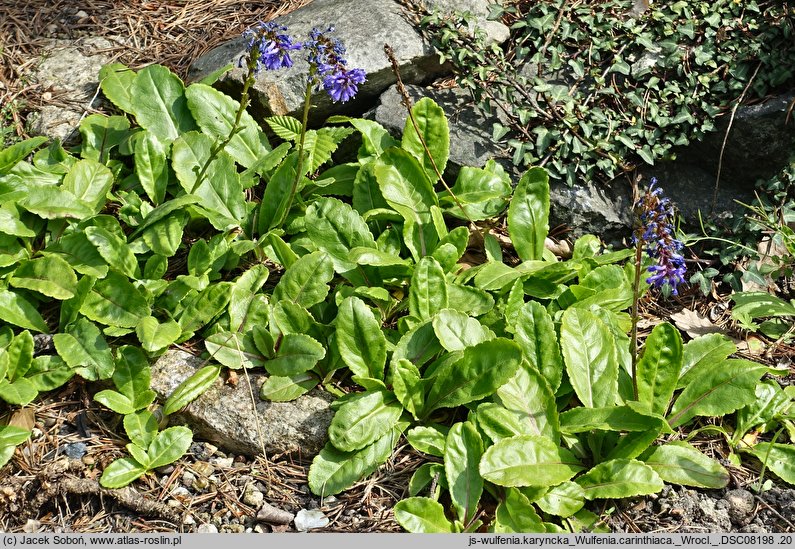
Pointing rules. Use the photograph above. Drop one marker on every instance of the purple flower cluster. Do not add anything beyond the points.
(328, 66)
(656, 214)
(271, 44)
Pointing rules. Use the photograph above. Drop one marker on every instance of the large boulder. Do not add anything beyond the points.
(364, 28)
(224, 413)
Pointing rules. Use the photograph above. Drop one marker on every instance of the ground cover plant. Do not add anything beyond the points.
(514, 371)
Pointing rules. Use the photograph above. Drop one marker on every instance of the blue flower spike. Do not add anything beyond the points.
(269, 44)
(656, 215)
(328, 66)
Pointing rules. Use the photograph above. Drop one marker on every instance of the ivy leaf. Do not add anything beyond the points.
(528, 460)
(363, 419)
(620, 478)
(528, 214)
(422, 516)
(360, 340)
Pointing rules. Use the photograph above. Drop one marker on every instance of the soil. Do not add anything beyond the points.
(51, 484)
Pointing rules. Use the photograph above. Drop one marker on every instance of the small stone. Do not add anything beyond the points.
(207, 529)
(188, 479)
(174, 503)
(253, 497)
(257, 529)
(307, 520)
(741, 506)
(36, 433)
(274, 515)
(74, 450)
(201, 483)
(180, 492)
(31, 526)
(88, 460)
(81, 14)
(233, 528)
(223, 463)
(202, 468)
(189, 520)
(165, 470)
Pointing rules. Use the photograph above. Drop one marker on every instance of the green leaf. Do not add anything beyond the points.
(169, 445)
(19, 355)
(55, 203)
(90, 182)
(456, 331)
(215, 113)
(121, 472)
(482, 193)
(286, 388)
(165, 237)
(297, 353)
(364, 418)
(528, 460)
(277, 196)
(242, 299)
(285, 127)
(204, 306)
(151, 166)
(50, 275)
(48, 372)
(609, 418)
(528, 214)
(563, 500)
(115, 401)
(404, 378)
(155, 336)
(678, 462)
(433, 131)
(333, 470)
(360, 341)
(80, 253)
(191, 388)
(515, 514)
(428, 291)
(115, 301)
(11, 435)
(535, 333)
(473, 375)
(428, 439)
(658, 368)
(407, 189)
(620, 478)
(306, 281)
(422, 516)
(101, 133)
(770, 400)
(116, 80)
(16, 310)
(779, 458)
(336, 228)
(132, 375)
(138, 454)
(462, 452)
(21, 392)
(529, 398)
(10, 224)
(158, 101)
(702, 352)
(375, 138)
(10, 156)
(84, 348)
(141, 427)
(719, 390)
(114, 250)
(590, 358)
(234, 350)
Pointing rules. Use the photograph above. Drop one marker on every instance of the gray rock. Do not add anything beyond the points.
(74, 450)
(741, 506)
(207, 529)
(223, 414)
(71, 73)
(274, 515)
(307, 520)
(364, 28)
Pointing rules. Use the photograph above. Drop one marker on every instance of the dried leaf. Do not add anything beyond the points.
(694, 324)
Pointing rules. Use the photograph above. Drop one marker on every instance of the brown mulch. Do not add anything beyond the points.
(169, 33)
